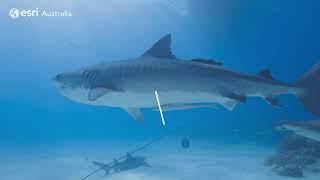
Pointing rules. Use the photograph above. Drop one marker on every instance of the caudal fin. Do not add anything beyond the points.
(310, 95)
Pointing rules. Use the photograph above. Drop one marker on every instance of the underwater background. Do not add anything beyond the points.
(43, 135)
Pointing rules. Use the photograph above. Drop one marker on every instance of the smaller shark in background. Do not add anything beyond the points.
(308, 129)
(130, 162)
(106, 167)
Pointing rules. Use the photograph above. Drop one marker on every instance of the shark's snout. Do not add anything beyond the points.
(58, 77)
(57, 80)
(288, 127)
(281, 128)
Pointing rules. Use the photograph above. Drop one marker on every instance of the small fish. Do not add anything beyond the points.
(185, 143)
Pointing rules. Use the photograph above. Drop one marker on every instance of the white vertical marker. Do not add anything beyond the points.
(160, 110)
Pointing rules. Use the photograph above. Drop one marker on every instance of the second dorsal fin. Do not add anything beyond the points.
(265, 73)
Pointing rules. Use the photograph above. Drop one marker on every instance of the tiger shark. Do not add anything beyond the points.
(181, 84)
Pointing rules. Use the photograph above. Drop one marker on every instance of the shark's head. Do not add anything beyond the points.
(140, 158)
(75, 84)
(308, 129)
(289, 127)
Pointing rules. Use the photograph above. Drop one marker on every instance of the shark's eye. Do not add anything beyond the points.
(59, 77)
(281, 128)
(285, 128)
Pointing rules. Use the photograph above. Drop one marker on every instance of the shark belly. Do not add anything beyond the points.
(148, 99)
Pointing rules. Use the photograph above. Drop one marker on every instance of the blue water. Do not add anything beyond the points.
(246, 35)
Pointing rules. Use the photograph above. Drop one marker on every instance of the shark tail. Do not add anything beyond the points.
(310, 95)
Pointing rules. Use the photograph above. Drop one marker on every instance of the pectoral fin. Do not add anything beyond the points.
(96, 93)
(135, 113)
(234, 96)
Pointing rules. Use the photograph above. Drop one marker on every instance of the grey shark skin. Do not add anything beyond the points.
(308, 129)
(130, 84)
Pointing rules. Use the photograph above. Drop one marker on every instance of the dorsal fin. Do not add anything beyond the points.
(265, 73)
(161, 49)
(129, 156)
(208, 61)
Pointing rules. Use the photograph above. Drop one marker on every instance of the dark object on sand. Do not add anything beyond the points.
(185, 143)
(294, 171)
(294, 142)
(296, 153)
(287, 164)
(130, 162)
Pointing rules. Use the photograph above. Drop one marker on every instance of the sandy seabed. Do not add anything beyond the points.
(203, 161)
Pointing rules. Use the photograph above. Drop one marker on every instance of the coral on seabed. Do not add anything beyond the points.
(296, 153)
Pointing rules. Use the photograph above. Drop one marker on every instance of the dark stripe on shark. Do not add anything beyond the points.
(83, 77)
(88, 78)
(91, 79)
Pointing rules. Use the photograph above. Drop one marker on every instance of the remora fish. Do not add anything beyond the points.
(308, 129)
(130, 84)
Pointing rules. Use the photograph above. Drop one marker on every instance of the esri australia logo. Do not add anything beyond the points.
(14, 13)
